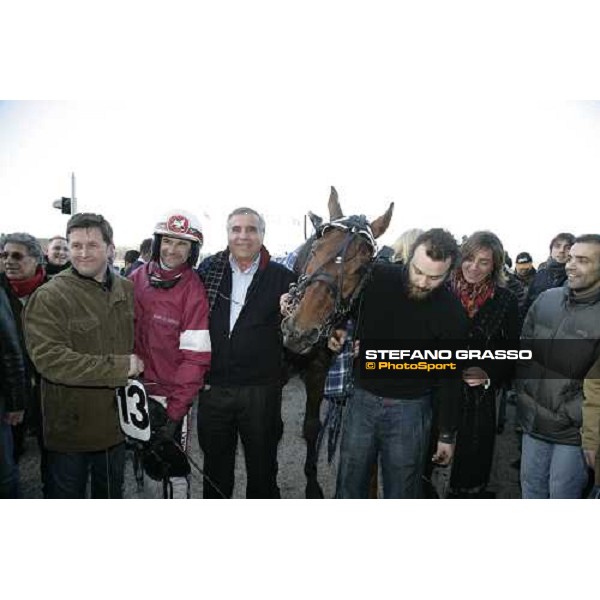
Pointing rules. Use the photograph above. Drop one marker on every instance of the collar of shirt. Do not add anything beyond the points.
(240, 282)
(235, 267)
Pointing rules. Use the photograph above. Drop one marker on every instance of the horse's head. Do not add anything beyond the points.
(334, 264)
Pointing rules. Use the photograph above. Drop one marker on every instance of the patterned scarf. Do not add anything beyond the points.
(25, 287)
(214, 268)
(471, 295)
(212, 272)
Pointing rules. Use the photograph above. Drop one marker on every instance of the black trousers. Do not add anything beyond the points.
(253, 412)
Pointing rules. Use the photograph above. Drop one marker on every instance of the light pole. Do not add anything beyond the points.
(68, 206)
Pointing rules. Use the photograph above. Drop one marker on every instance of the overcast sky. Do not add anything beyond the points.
(267, 106)
(524, 170)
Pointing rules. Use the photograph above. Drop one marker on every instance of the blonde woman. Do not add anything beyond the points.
(403, 244)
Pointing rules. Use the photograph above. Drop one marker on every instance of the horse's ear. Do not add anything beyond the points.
(335, 210)
(379, 225)
(316, 220)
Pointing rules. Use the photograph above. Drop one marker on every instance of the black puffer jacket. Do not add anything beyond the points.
(565, 337)
(12, 369)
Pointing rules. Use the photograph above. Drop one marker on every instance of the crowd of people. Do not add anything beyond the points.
(75, 330)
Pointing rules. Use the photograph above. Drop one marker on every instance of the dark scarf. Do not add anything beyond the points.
(25, 287)
(556, 272)
(213, 275)
(527, 278)
(165, 278)
(586, 297)
(52, 270)
(471, 295)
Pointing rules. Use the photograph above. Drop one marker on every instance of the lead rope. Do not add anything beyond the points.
(202, 473)
(208, 479)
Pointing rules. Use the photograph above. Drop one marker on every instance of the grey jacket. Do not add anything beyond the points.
(564, 334)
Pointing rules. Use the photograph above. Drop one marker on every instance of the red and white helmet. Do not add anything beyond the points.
(180, 224)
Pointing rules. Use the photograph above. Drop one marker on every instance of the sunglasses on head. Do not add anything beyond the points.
(13, 255)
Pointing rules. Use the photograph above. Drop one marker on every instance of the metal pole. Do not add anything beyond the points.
(73, 199)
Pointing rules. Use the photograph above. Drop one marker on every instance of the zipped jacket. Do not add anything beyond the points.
(564, 334)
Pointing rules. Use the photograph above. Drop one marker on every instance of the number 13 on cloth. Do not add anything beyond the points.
(132, 404)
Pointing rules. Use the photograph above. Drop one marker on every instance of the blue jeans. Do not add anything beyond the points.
(9, 471)
(68, 472)
(551, 470)
(395, 431)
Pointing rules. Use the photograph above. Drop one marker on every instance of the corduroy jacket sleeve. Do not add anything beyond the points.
(590, 432)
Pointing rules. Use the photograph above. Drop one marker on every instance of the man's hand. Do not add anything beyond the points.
(444, 454)
(167, 431)
(136, 365)
(14, 418)
(590, 458)
(474, 376)
(337, 339)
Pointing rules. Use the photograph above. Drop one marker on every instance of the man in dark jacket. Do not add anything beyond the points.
(552, 274)
(22, 259)
(143, 257)
(246, 377)
(524, 275)
(57, 255)
(563, 330)
(12, 397)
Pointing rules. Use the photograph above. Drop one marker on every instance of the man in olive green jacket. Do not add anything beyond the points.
(79, 335)
(590, 432)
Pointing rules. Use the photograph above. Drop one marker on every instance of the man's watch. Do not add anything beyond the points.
(447, 438)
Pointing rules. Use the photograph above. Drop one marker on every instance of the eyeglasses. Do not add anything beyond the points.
(13, 255)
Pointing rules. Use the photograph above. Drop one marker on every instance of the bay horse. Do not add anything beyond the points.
(333, 266)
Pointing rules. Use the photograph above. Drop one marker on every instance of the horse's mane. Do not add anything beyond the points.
(303, 253)
(348, 222)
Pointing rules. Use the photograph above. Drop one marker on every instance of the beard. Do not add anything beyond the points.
(416, 293)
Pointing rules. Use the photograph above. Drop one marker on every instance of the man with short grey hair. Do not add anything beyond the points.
(246, 376)
(22, 258)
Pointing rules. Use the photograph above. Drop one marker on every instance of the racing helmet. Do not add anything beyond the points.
(179, 224)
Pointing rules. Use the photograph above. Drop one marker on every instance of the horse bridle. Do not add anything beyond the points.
(355, 227)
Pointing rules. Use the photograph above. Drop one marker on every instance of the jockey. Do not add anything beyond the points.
(171, 319)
